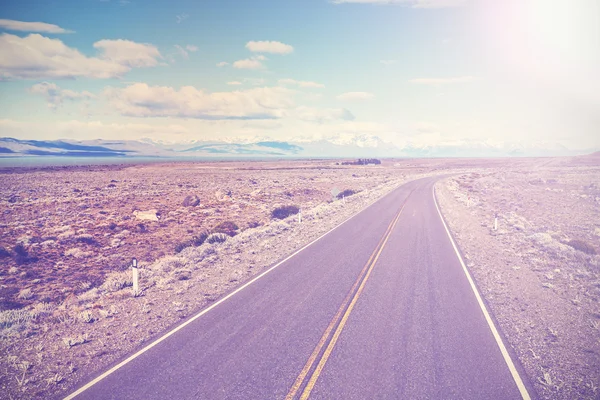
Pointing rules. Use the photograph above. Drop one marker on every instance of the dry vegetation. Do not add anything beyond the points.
(540, 270)
(66, 302)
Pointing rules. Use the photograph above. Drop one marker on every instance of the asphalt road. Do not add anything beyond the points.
(380, 308)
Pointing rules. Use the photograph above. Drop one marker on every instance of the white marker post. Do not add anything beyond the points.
(136, 276)
(300, 216)
(496, 222)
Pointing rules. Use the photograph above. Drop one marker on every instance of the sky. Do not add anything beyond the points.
(412, 72)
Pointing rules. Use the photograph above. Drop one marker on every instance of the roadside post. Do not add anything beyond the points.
(300, 216)
(134, 269)
(496, 221)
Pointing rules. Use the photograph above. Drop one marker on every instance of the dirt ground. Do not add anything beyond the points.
(540, 270)
(67, 309)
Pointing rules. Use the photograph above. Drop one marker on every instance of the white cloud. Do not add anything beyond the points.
(269, 47)
(86, 130)
(355, 96)
(128, 53)
(55, 95)
(38, 57)
(321, 115)
(182, 52)
(191, 48)
(181, 17)
(248, 63)
(411, 3)
(303, 84)
(222, 64)
(426, 127)
(13, 25)
(255, 81)
(234, 83)
(442, 81)
(388, 62)
(438, 3)
(141, 100)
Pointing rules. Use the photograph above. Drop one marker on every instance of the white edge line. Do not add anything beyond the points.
(507, 359)
(201, 313)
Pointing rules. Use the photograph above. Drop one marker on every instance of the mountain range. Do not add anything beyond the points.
(334, 147)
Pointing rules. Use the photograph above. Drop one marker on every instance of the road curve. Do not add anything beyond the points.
(380, 308)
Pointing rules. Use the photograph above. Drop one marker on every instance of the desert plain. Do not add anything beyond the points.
(199, 230)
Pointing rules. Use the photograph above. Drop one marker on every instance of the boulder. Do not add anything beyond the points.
(191, 201)
(149, 215)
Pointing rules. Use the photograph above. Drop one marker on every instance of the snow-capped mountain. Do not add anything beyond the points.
(346, 145)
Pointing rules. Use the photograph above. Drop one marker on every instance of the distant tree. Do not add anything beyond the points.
(363, 161)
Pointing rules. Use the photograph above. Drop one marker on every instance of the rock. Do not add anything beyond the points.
(149, 215)
(191, 201)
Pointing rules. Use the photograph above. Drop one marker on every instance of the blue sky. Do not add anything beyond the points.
(417, 72)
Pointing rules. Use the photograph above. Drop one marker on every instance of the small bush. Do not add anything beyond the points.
(182, 245)
(4, 253)
(182, 274)
(86, 317)
(216, 238)
(20, 250)
(116, 281)
(25, 294)
(582, 246)
(9, 318)
(198, 240)
(22, 255)
(229, 228)
(86, 238)
(284, 212)
(346, 193)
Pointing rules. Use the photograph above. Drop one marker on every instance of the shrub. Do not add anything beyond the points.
(284, 212)
(217, 237)
(582, 246)
(227, 227)
(116, 281)
(86, 238)
(9, 318)
(346, 193)
(25, 294)
(20, 250)
(182, 245)
(182, 274)
(198, 240)
(4, 252)
(86, 317)
(22, 255)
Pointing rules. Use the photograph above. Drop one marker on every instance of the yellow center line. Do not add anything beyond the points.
(313, 379)
(360, 282)
(333, 322)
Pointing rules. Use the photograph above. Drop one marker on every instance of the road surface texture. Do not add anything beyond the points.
(379, 308)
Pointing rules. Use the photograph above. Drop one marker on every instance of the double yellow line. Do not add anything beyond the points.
(338, 322)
